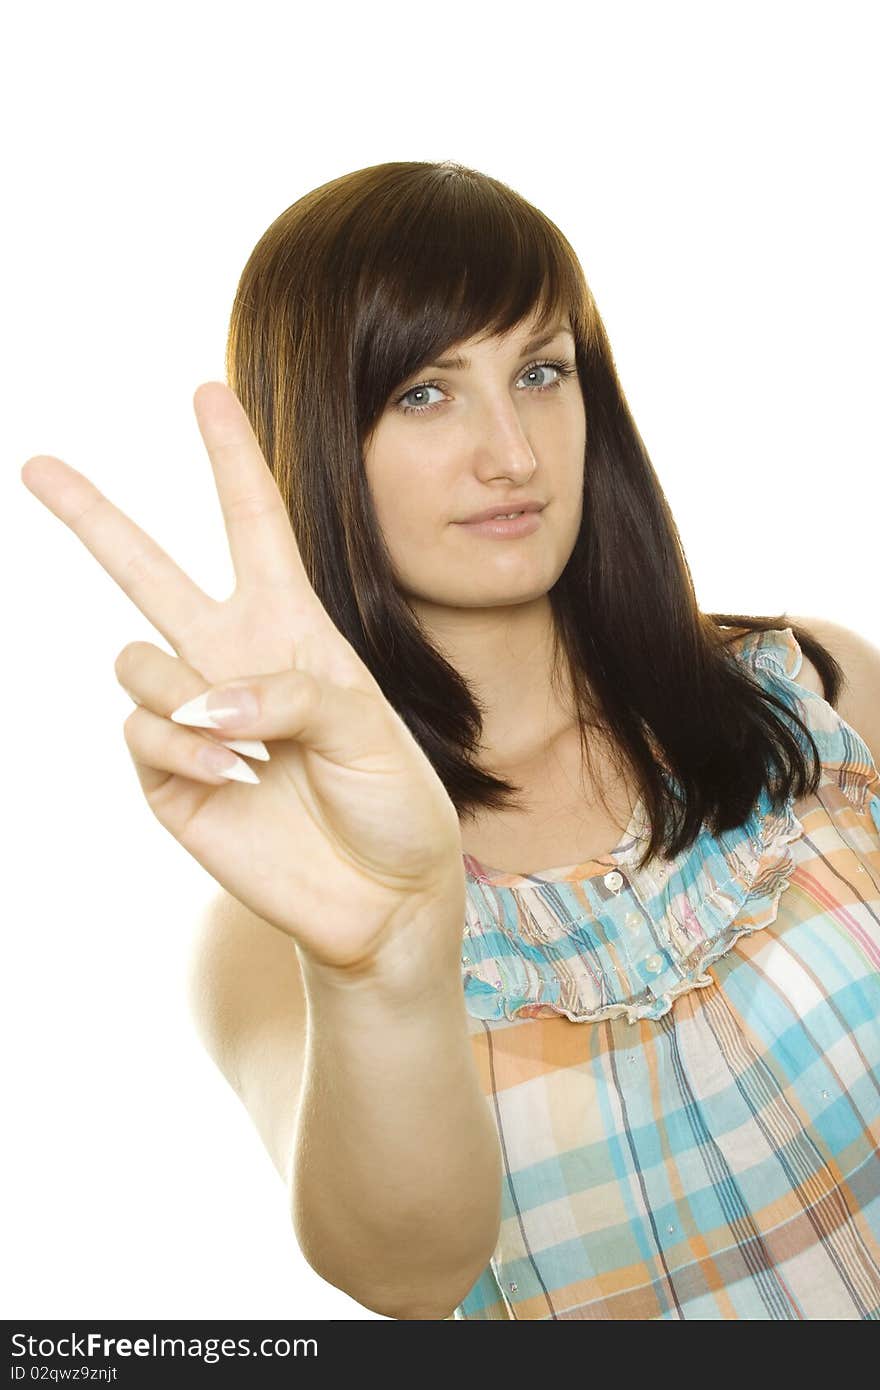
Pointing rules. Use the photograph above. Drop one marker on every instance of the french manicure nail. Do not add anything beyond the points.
(238, 771)
(251, 747)
(214, 708)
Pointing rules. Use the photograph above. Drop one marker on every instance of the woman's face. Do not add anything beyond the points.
(496, 432)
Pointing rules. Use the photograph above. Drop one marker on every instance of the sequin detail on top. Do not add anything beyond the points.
(604, 938)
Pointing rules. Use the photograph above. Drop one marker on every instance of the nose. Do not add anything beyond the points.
(501, 446)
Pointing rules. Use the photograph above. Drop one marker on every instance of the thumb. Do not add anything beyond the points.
(289, 704)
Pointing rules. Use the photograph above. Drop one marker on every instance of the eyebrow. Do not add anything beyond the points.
(461, 364)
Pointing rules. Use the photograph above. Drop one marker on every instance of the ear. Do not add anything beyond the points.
(859, 702)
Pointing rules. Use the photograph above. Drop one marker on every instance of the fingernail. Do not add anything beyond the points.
(214, 708)
(251, 747)
(216, 760)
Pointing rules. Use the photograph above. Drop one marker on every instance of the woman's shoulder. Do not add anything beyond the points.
(857, 702)
(776, 648)
(779, 648)
(847, 732)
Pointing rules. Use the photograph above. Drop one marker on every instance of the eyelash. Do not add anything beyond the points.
(563, 368)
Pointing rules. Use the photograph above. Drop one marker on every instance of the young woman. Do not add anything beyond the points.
(515, 795)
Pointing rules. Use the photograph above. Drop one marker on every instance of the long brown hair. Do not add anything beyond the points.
(351, 290)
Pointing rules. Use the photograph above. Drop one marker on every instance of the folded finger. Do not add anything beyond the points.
(161, 683)
(160, 749)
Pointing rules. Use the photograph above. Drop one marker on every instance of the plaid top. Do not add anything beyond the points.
(708, 1146)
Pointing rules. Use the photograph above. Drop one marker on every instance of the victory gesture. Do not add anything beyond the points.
(346, 830)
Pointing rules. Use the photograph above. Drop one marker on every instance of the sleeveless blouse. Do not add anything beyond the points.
(683, 1061)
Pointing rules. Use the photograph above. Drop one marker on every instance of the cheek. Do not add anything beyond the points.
(414, 494)
(410, 511)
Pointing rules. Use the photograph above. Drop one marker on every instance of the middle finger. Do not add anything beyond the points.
(262, 543)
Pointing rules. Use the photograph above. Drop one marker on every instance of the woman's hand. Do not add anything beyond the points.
(349, 833)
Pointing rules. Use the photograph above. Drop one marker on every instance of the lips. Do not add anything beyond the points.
(491, 512)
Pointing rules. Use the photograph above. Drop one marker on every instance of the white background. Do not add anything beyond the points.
(714, 167)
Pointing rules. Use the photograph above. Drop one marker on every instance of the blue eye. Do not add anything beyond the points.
(417, 409)
(563, 369)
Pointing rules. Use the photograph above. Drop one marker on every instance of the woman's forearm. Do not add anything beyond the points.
(396, 1177)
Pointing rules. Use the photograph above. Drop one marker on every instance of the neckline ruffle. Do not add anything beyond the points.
(626, 942)
(605, 939)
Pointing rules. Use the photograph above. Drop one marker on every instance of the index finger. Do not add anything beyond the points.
(142, 569)
(261, 540)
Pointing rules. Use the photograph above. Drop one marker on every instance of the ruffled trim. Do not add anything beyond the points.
(607, 949)
(776, 658)
(616, 941)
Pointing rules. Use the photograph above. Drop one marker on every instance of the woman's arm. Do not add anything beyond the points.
(368, 1099)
